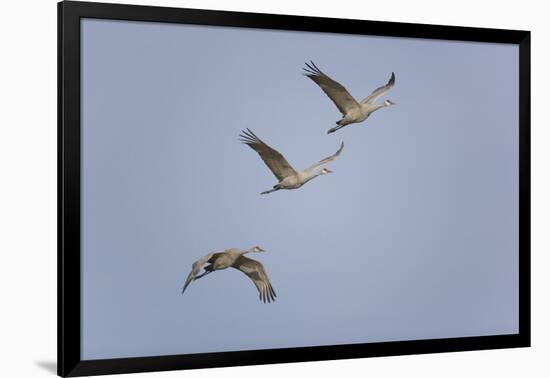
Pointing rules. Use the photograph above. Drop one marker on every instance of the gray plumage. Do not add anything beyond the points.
(287, 176)
(235, 258)
(352, 111)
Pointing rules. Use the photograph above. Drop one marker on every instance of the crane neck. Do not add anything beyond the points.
(376, 107)
(310, 175)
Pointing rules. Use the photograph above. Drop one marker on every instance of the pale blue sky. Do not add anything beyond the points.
(414, 236)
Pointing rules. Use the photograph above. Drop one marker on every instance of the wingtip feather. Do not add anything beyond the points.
(248, 137)
(313, 69)
(392, 79)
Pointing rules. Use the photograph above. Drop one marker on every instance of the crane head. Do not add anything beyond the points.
(389, 103)
(325, 171)
(258, 249)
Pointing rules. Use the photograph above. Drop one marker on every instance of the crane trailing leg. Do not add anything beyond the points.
(207, 270)
(340, 125)
(275, 188)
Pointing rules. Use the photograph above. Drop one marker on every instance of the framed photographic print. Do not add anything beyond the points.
(239, 188)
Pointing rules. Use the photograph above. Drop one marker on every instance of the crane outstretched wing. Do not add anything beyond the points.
(271, 157)
(197, 266)
(327, 159)
(333, 89)
(256, 272)
(379, 91)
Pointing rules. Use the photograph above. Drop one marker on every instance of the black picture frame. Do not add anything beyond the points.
(69, 316)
